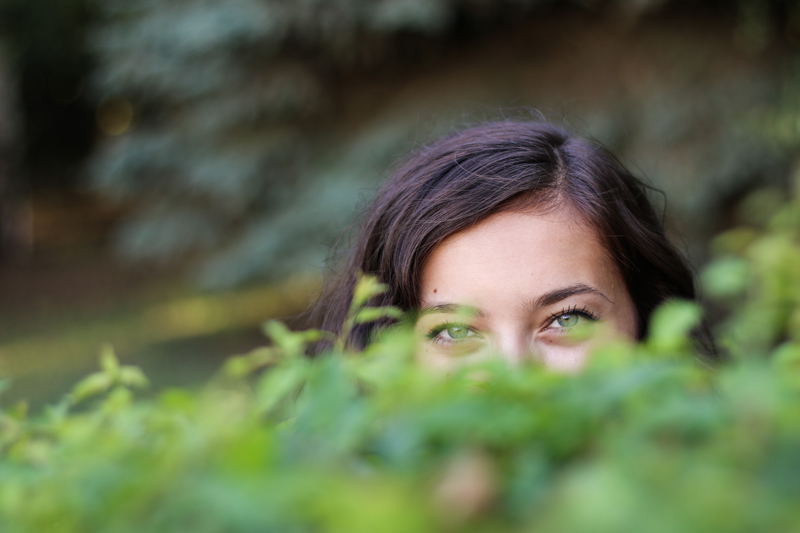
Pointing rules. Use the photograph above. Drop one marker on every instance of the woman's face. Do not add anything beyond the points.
(524, 284)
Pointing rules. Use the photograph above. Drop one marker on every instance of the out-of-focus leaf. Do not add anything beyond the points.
(368, 314)
(91, 385)
(726, 277)
(671, 324)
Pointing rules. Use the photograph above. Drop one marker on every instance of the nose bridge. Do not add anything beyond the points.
(514, 344)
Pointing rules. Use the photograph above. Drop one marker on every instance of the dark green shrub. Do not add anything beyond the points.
(645, 439)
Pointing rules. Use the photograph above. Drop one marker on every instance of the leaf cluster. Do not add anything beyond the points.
(645, 437)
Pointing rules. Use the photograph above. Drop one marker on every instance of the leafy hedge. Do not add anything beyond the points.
(645, 439)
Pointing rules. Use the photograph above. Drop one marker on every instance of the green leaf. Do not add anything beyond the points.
(726, 277)
(108, 361)
(132, 376)
(367, 287)
(91, 385)
(671, 325)
(293, 343)
(244, 365)
(368, 314)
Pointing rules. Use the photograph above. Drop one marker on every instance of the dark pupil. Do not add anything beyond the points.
(457, 332)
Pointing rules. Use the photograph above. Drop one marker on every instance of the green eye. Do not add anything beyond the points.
(454, 334)
(457, 332)
(449, 333)
(568, 320)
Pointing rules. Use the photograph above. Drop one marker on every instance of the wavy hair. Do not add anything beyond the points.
(458, 181)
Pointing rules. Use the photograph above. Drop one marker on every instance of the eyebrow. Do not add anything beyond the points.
(452, 309)
(544, 300)
(563, 293)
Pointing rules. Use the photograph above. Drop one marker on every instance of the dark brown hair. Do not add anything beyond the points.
(461, 179)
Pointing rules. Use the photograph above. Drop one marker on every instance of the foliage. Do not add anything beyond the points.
(222, 111)
(47, 32)
(757, 274)
(235, 128)
(374, 442)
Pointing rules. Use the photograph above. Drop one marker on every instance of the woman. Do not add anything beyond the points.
(503, 237)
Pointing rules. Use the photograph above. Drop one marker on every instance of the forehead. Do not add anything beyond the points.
(532, 251)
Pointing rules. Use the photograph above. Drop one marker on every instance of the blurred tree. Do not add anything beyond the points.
(47, 124)
(220, 106)
(49, 58)
(12, 232)
(234, 127)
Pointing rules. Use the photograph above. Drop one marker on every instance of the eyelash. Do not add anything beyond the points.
(433, 334)
(573, 310)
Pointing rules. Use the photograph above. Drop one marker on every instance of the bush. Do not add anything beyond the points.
(645, 438)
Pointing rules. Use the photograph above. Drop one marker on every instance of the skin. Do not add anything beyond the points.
(527, 285)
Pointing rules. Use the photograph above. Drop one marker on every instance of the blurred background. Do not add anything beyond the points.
(174, 173)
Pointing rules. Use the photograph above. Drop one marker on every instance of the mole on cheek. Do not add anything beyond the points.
(434, 291)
